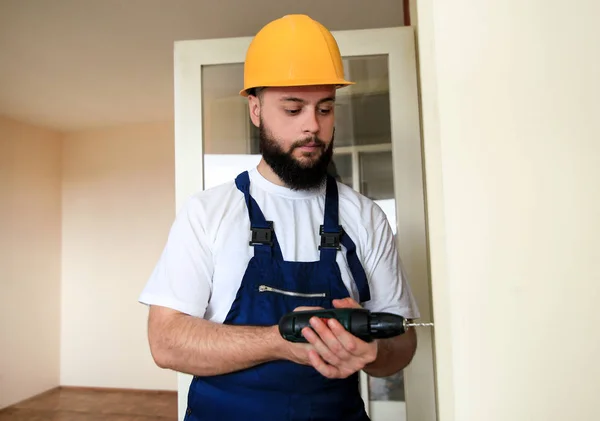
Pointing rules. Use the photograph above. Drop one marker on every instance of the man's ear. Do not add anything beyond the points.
(254, 109)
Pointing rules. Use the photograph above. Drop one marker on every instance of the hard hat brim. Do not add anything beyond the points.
(297, 83)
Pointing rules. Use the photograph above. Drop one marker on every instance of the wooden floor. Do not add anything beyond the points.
(76, 404)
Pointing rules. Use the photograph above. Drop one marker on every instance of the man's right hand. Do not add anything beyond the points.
(331, 350)
(298, 352)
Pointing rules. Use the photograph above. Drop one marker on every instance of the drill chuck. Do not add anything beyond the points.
(361, 323)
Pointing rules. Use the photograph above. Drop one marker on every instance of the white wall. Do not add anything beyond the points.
(511, 123)
(30, 171)
(118, 205)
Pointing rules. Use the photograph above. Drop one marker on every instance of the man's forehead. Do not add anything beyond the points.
(303, 93)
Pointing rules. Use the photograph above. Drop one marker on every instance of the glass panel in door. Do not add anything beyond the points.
(362, 160)
(363, 155)
(227, 130)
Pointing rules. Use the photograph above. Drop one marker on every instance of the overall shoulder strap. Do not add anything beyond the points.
(263, 236)
(333, 237)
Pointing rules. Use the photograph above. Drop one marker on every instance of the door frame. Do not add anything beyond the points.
(398, 43)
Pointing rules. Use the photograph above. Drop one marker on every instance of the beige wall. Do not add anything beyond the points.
(118, 205)
(30, 212)
(510, 102)
(98, 205)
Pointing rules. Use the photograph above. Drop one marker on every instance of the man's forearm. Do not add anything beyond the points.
(393, 355)
(203, 348)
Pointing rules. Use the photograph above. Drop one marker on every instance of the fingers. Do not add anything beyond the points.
(326, 344)
(304, 308)
(347, 302)
(330, 363)
(322, 367)
(336, 353)
(335, 337)
(345, 338)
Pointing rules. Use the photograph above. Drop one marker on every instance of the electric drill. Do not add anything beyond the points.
(360, 322)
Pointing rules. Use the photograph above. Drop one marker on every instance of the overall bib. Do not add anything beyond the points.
(270, 288)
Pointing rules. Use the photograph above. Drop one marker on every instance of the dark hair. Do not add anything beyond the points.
(255, 92)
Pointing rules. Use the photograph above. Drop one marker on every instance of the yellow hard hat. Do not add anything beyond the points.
(294, 50)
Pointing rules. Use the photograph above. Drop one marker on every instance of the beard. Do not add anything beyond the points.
(295, 174)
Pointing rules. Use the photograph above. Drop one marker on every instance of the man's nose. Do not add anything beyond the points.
(310, 123)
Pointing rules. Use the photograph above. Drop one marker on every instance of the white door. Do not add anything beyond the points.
(378, 152)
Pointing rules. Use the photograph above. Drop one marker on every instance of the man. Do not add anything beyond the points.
(280, 237)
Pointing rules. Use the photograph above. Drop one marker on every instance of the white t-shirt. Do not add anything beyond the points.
(207, 251)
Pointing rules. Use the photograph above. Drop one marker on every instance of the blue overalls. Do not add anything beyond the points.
(270, 288)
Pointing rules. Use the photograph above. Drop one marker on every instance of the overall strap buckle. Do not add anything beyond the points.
(263, 236)
(331, 240)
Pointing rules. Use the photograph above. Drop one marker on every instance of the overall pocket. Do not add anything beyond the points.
(270, 289)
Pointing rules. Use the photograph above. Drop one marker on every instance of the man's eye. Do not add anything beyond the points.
(292, 112)
(325, 110)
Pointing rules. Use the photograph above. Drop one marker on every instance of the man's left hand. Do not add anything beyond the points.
(337, 353)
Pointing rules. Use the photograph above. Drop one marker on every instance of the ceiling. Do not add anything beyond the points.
(79, 64)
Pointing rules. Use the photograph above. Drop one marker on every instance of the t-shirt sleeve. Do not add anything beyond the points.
(182, 277)
(390, 291)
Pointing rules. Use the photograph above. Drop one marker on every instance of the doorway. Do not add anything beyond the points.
(377, 152)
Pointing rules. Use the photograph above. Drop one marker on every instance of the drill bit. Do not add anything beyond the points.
(410, 323)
